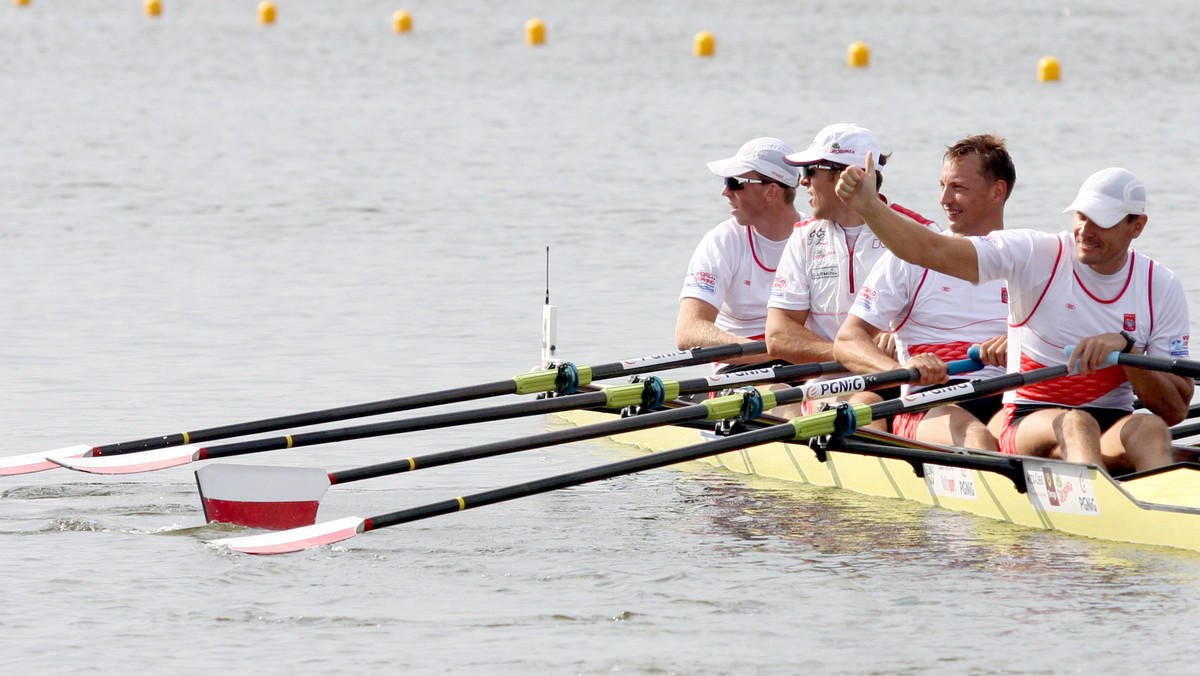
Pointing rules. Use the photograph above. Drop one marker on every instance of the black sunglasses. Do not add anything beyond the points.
(808, 170)
(735, 184)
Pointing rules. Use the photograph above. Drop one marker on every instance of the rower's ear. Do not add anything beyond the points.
(1139, 224)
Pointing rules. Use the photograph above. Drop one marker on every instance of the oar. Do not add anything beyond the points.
(1179, 367)
(287, 497)
(840, 421)
(650, 394)
(565, 380)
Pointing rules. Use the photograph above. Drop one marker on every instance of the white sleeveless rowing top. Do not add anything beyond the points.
(931, 312)
(1055, 301)
(732, 269)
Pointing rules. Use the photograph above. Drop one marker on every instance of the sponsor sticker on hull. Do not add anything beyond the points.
(1061, 488)
(950, 482)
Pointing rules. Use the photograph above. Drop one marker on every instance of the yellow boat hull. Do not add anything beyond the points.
(1160, 509)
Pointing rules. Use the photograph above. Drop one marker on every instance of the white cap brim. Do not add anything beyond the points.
(1101, 209)
(735, 166)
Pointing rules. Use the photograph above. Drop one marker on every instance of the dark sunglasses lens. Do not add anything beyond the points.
(734, 184)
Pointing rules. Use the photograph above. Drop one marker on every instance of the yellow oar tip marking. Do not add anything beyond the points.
(187, 439)
(288, 437)
(462, 504)
(412, 464)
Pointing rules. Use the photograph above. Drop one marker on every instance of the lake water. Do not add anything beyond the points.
(206, 220)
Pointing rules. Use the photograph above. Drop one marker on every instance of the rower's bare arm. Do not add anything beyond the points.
(903, 236)
(697, 327)
(856, 347)
(1165, 394)
(789, 339)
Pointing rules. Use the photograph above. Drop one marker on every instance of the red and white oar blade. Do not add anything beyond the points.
(29, 463)
(297, 539)
(258, 496)
(131, 463)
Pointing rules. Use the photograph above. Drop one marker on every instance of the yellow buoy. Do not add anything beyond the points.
(1048, 69)
(401, 22)
(153, 7)
(535, 32)
(266, 12)
(704, 44)
(857, 55)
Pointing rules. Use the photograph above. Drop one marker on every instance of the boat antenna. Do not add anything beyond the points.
(549, 323)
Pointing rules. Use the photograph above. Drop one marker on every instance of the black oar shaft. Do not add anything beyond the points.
(799, 428)
(563, 436)
(610, 397)
(1179, 367)
(516, 385)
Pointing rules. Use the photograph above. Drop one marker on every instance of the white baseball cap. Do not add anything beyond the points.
(843, 143)
(764, 155)
(1110, 195)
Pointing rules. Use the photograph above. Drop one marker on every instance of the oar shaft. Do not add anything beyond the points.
(311, 418)
(556, 437)
(520, 384)
(611, 470)
(612, 397)
(801, 428)
(1179, 367)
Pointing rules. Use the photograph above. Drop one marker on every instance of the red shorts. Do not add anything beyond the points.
(1008, 434)
(905, 424)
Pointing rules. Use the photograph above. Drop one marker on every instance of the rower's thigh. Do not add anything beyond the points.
(1038, 433)
(946, 425)
(1133, 436)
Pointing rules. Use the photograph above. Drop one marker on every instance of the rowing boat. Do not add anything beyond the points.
(1152, 508)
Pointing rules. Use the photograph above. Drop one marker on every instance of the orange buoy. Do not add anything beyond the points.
(535, 32)
(858, 55)
(153, 7)
(1048, 69)
(21, 3)
(401, 22)
(266, 12)
(704, 44)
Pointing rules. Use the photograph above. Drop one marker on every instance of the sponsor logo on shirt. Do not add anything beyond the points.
(1004, 295)
(816, 237)
(702, 280)
(1179, 345)
(777, 287)
(1130, 323)
(825, 273)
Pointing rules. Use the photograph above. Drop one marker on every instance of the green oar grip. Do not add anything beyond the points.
(620, 396)
(820, 424)
(547, 381)
(730, 406)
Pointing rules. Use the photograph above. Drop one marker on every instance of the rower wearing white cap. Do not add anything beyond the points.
(937, 318)
(829, 256)
(724, 296)
(1083, 287)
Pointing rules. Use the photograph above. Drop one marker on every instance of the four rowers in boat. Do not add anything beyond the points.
(943, 291)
